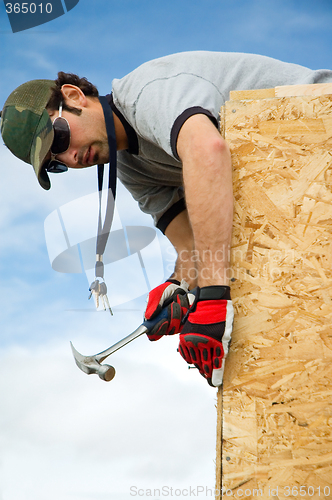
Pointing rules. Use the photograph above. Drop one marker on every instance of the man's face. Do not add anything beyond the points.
(88, 138)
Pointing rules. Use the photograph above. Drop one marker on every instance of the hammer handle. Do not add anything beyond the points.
(143, 328)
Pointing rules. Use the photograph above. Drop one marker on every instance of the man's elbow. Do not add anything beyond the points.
(199, 139)
(217, 145)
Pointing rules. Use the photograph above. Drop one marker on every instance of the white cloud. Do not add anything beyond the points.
(66, 435)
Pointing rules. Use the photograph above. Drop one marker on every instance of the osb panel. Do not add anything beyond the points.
(277, 393)
(282, 91)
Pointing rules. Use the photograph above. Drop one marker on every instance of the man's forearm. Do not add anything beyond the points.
(180, 234)
(207, 173)
(185, 268)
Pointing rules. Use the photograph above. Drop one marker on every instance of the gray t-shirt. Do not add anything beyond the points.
(155, 100)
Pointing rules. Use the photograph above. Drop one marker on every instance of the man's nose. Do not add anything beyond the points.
(69, 157)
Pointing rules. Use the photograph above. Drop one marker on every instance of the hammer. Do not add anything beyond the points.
(92, 364)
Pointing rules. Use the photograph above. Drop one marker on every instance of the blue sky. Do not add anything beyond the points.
(154, 425)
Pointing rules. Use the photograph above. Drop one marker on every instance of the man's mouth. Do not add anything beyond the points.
(89, 157)
(86, 158)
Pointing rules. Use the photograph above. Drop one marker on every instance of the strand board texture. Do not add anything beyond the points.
(275, 407)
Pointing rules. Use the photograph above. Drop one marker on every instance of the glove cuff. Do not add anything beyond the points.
(171, 280)
(214, 292)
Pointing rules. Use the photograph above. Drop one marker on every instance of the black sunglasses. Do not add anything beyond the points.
(60, 143)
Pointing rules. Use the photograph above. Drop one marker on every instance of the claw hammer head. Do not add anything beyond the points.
(92, 364)
(89, 365)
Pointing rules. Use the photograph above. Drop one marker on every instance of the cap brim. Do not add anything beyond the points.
(40, 148)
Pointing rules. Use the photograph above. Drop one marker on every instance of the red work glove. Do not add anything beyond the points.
(206, 333)
(174, 293)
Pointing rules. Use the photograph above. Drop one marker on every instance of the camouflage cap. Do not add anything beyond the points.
(26, 127)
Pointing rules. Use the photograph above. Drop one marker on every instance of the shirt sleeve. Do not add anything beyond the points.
(187, 113)
(159, 110)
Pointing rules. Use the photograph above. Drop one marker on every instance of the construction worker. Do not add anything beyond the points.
(173, 160)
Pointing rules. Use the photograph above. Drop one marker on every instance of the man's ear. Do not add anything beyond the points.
(73, 95)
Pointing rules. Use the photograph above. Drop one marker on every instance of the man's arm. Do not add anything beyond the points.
(207, 174)
(180, 234)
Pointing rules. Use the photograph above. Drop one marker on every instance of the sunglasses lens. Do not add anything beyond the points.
(56, 167)
(61, 139)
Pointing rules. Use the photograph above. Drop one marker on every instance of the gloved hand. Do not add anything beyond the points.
(175, 294)
(206, 333)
